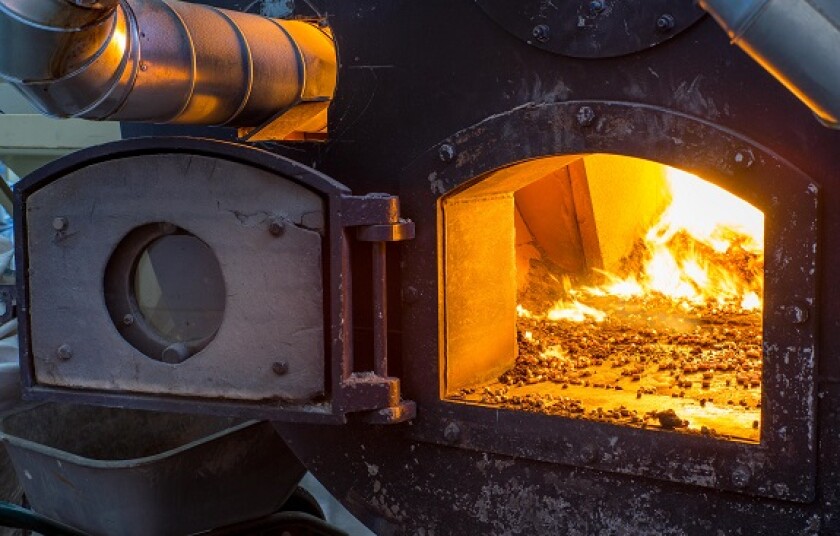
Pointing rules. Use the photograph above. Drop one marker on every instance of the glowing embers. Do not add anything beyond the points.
(653, 320)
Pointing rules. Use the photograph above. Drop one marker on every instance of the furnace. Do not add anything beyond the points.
(606, 288)
(551, 268)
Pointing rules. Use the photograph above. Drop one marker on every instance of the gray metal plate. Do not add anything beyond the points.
(274, 289)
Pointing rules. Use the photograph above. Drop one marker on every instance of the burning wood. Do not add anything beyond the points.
(672, 341)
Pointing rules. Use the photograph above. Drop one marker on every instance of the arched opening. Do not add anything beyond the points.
(606, 288)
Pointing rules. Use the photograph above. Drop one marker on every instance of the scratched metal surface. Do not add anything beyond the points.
(415, 75)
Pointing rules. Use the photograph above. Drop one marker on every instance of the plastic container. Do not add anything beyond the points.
(117, 472)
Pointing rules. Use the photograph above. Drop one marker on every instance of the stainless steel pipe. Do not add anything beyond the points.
(163, 61)
(797, 41)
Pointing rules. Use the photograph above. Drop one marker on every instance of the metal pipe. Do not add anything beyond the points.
(797, 41)
(162, 61)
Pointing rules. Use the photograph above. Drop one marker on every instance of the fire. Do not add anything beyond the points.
(705, 249)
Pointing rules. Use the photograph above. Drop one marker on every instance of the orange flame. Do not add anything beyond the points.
(692, 254)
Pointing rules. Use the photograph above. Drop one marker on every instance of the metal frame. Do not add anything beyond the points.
(783, 465)
(348, 390)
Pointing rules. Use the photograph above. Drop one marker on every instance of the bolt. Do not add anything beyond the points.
(276, 226)
(60, 224)
(446, 152)
(452, 433)
(741, 476)
(128, 320)
(588, 454)
(64, 352)
(665, 23)
(744, 158)
(541, 33)
(585, 116)
(280, 368)
(143, 66)
(597, 6)
(796, 314)
(175, 353)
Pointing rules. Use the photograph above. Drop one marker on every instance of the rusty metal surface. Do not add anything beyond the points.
(463, 75)
(782, 466)
(226, 205)
(271, 223)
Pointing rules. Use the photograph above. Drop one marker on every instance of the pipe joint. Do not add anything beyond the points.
(163, 61)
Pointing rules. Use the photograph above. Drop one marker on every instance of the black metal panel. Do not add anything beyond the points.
(593, 28)
(412, 76)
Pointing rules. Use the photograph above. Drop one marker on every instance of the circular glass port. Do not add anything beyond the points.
(165, 291)
(179, 288)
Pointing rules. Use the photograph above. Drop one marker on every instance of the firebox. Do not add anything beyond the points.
(606, 288)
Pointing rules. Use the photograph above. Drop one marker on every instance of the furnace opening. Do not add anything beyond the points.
(606, 288)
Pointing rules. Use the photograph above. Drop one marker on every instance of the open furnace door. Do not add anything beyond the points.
(193, 275)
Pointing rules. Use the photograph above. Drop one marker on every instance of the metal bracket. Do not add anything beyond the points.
(377, 220)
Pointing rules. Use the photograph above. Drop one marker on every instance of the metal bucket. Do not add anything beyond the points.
(127, 472)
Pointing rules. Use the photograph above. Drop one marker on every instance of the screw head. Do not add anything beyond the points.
(276, 226)
(60, 223)
(541, 33)
(280, 368)
(796, 314)
(128, 320)
(597, 6)
(64, 352)
(665, 23)
(588, 454)
(175, 353)
(744, 158)
(585, 116)
(741, 476)
(446, 152)
(452, 432)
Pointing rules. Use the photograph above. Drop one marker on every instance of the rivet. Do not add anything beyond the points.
(64, 352)
(744, 158)
(446, 152)
(128, 320)
(741, 476)
(665, 23)
(276, 226)
(597, 6)
(280, 368)
(60, 224)
(796, 314)
(143, 66)
(585, 116)
(452, 432)
(541, 33)
(588, 454)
